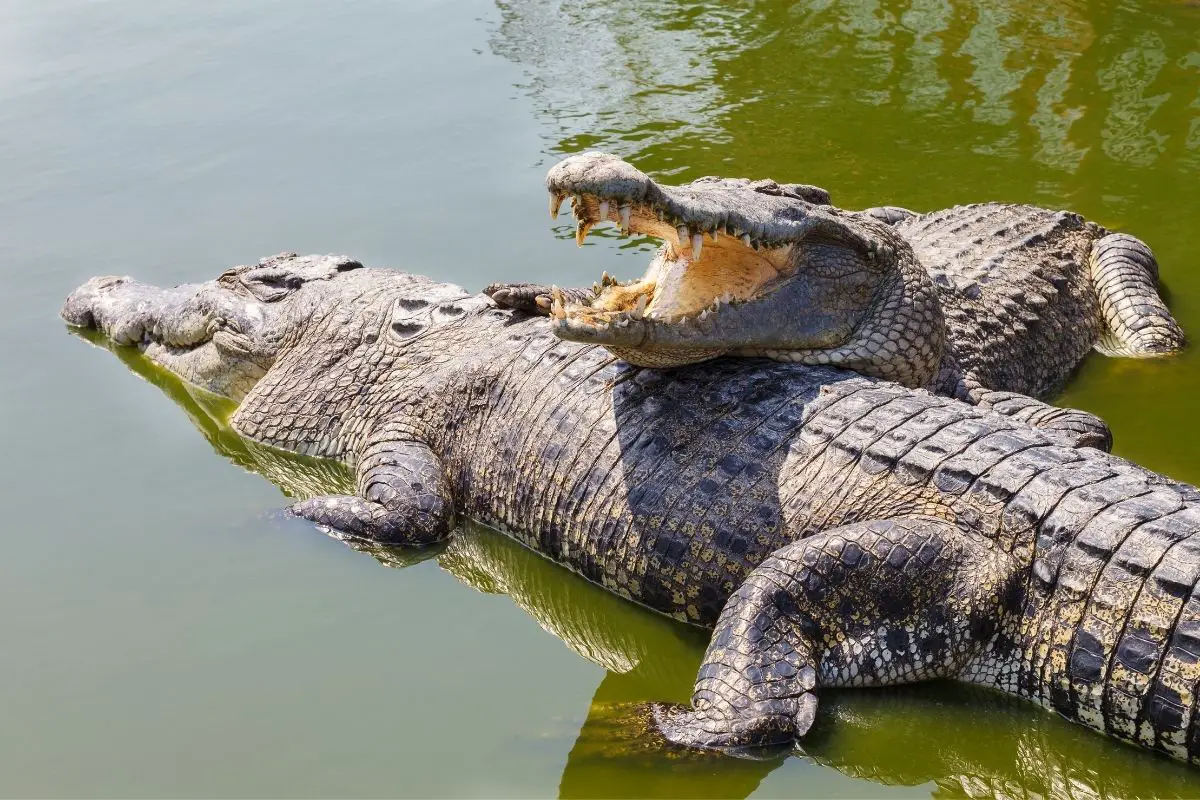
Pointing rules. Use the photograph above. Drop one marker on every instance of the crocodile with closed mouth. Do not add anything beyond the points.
(832, 529)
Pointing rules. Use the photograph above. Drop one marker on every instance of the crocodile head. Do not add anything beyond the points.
(221, 335)
(748, 268)
(224, 335)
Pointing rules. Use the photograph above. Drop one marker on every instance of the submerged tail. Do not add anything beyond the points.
(1137, 322)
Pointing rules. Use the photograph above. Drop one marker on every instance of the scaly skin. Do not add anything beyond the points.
(835, 530)
(1022, 293)
(1027, 292)
(1023, 754)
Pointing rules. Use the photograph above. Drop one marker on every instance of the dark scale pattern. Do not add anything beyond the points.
(992, 304)
(1027, 292)
(836, 530)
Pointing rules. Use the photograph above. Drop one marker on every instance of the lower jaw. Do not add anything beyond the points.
(665, 357)
(628, 344)
(195, 367)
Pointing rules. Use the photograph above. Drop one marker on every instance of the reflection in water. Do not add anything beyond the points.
(683, 83)
(1130, 79)
(644, 72)
(964, 741)
(297, 476)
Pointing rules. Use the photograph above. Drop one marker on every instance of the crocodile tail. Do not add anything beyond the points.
(1137, 322)
(1127, 613)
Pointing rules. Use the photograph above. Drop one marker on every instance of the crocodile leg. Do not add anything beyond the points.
(868, 604)
(1138, 323)
(1070, 426)
(403, 497)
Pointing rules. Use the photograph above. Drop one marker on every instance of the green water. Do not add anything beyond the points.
(165, 635)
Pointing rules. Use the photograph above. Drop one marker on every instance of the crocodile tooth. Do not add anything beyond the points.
(626, 210)
(607, 279)
(683, 234)
(555, 204)
(582, 227)
(640, 308)
(697, 244)
(596, 288)
(713, 234)
(603, 210)
(746, 239)
(559, 300)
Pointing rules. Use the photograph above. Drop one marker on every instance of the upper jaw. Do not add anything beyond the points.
(724, 241)
(207, 336)
(758, 214)
(185, 317)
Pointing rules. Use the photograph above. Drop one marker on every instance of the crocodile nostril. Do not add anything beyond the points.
(109, 282)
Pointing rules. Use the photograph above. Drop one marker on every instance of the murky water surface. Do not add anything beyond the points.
(164, 635)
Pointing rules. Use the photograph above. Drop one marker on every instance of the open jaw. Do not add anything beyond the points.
(725, 243)
(746, 267)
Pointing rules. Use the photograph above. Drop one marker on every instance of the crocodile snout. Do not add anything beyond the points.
(81, 305)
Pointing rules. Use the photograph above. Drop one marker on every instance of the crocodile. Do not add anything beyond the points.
(831, 529)
(992, 304)
(966, 740)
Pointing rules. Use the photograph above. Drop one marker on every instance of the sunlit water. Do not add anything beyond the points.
(164, 634)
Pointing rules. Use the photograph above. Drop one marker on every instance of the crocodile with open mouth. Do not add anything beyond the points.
(832, 529)
(992, 304)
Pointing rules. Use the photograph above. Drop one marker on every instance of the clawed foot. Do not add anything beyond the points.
(534, 298)
(531, 298)
(768, 723)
